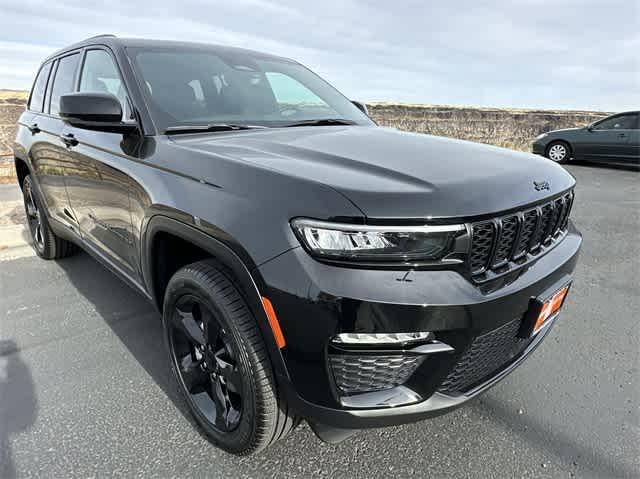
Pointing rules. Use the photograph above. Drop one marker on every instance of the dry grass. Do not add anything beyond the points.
(14, 94)
(7, 170)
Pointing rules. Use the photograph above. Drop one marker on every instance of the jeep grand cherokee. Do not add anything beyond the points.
(307, 263)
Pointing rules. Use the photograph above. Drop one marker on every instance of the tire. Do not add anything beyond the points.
(220, 361)
(45, 242)
(559, 152)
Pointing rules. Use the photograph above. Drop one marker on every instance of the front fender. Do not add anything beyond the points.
(245, 276)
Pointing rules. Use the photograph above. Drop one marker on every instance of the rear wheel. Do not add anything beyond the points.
(559, 152)
(45, 241)
(220, 361)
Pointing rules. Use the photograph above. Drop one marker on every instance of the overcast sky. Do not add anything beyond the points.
(579, 54)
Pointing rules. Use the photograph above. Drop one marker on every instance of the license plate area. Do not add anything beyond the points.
(542, 310)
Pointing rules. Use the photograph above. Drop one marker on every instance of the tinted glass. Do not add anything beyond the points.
(39, 87)
(622, 122)
(199, 86)
(100, 74)
(63, 82)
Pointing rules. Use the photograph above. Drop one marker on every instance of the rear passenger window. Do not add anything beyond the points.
(39, 87)
(100, 75)
(63, 82)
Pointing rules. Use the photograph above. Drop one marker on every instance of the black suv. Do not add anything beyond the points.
(308, 264)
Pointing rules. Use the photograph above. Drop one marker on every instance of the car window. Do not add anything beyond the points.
(621, 122)
(63, 82)
(100, 75)
(292, 94)
(39, 87)
(198, 86)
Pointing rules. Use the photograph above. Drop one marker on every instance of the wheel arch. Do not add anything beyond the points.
(22, 169)
(245, 277)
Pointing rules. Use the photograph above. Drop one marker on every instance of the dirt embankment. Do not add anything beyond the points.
(12, 104)
(510, 128)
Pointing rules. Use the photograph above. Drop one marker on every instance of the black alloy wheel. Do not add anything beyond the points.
(206, 363)
(34, 217)
(220, 360)
(45, 242)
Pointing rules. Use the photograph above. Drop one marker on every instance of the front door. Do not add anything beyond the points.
(611, 139)
(97, 184)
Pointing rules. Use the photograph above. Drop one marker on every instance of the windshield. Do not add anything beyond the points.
(197, 86)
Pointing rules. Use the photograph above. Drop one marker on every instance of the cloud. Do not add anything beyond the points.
(572, 54)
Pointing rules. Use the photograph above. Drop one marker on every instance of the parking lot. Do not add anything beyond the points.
(86, 390)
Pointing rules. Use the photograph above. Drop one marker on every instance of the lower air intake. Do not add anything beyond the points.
(364, 373)
(487, 356)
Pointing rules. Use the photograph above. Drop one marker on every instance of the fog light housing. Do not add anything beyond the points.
(382, 339)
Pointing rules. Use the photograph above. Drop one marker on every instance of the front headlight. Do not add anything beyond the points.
(375, 243)
(541, 136)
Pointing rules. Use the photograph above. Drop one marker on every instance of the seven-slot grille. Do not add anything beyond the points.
(498, 241)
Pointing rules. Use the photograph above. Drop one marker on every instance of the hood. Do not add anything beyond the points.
(564, 130)
(387, 173)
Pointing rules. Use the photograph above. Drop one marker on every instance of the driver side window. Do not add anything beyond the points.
(100, 75)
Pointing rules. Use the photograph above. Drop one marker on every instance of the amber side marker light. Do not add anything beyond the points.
(550, 308)
(273, 322)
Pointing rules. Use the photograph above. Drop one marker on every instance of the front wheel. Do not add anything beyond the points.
(220, 361)
(559, 152)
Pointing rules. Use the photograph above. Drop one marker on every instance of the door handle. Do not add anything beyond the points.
(69, 139)
(622, 135)
(33, 128)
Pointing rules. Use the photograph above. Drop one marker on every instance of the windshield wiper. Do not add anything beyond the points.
(322, 122)
(209, 127)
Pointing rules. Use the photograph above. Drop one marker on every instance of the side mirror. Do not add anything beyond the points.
(361, 106)
(94, 111)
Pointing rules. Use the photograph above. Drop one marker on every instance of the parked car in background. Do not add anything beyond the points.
(615, 139)
(307, 263)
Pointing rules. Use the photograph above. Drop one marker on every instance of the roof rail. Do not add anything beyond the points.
(102, 35)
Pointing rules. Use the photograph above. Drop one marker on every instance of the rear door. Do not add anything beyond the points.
(98, 187)
(610, 139)
(48, 152)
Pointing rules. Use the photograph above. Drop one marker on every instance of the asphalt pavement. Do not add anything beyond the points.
(86, 390)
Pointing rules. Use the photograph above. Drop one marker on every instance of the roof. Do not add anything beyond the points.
(113, 41)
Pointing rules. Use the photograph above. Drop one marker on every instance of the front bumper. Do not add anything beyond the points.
(315, 301)
(539, 147)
